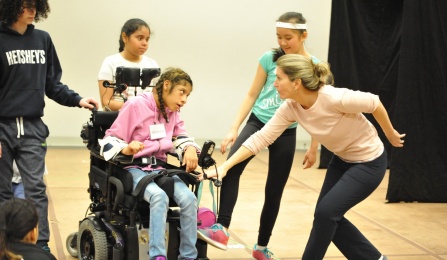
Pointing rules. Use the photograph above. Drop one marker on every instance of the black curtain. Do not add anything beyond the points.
(398, 50)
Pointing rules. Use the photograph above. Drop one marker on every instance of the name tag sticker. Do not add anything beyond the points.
(157, 131)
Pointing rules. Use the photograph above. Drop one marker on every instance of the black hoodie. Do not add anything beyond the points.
(30, 251)
(29, 70)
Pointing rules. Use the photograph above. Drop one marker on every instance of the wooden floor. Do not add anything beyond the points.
(410, 231)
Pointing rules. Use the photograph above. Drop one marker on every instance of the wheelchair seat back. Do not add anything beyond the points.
(96, 128)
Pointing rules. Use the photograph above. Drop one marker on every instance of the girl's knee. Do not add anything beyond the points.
(159, 196)
(187, 199)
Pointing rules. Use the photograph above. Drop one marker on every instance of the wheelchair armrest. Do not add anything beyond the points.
(123, 159)
(119, 191)
(119, 159)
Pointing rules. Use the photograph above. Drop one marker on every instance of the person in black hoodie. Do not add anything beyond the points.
(29, 71)
(18, 231)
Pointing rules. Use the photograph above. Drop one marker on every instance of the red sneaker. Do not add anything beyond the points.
(215, 236)
(264, 254)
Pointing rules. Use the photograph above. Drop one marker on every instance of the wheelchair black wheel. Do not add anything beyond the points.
(92, 243)
(72, 244)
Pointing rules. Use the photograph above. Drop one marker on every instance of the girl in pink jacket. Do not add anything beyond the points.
(149, 126)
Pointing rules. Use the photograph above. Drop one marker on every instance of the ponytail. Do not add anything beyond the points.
(323, 73)
(5, 254)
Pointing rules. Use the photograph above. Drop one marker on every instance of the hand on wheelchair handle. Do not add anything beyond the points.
(87, 102)
(94, 108)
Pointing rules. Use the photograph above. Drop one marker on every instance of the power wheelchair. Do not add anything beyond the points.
(117, 225)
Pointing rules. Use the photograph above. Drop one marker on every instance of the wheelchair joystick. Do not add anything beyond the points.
(217, 182)
(206, 161)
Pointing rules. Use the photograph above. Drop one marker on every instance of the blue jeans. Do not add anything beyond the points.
(18, 190)
(159, 205)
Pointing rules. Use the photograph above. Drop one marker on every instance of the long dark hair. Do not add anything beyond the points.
(17, 218)
(176, 76)
(289, 17)
(10, 10)
(130, 27)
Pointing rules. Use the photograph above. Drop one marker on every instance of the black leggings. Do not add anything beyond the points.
(281, 154)
(345, 185)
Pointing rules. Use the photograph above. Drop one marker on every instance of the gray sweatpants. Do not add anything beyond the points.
(24, 140)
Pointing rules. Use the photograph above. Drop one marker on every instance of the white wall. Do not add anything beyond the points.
(217, 42)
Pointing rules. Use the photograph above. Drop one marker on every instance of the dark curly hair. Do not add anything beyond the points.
(10, 10)
(176, 76)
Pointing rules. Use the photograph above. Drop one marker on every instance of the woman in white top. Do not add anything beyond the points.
(333, 117)
(134, 42)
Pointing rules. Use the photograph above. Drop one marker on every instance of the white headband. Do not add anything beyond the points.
(295, 26)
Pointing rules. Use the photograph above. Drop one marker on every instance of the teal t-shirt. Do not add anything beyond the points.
(268, 100)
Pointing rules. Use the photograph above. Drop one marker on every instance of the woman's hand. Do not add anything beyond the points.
(230, 138)
(133, 148)
(221, 172)
(200, 176)
(311, 155)
(190, 159)
(310, 158)
(381, 116)
(395, 138)
(211, 173)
